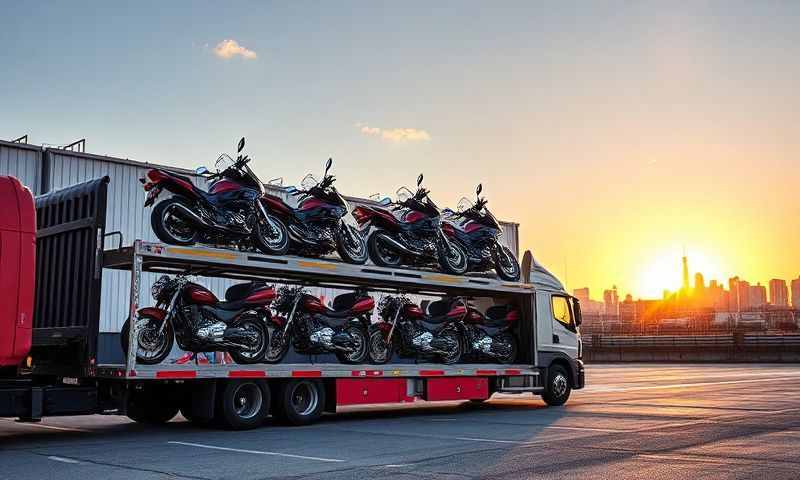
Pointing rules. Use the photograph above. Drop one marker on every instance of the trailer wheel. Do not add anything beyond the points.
(149, 407)
(300, 402)
(242, 404)
(557, 390)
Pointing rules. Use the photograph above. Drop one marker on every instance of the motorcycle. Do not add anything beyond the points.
(232, 212)
(490, 336)
(193, 315)
(317, 227)
(405, 329)
(477, 231)
(415, 238)
(313, 328)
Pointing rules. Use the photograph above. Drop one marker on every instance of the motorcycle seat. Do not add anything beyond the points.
(242, 295)
(441, 311)
(350, 304)
(499, 315)
(242, 290)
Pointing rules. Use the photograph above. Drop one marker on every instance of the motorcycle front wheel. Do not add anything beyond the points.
(271, 236)
(453, 259)
(351, 246)
(169, 226)
(506, 264)
(456, 350)
(511, 356)
(380, 352)
(153, 346)
(259, 348)
(277, 344)
(359, 353)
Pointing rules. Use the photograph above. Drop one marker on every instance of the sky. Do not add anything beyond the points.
(618, 134)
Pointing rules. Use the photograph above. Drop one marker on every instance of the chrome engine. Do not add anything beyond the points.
(483, 344)
(213, 332)
(322, 337)
(422, 340)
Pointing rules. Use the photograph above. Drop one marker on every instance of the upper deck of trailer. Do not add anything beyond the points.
(235, 264)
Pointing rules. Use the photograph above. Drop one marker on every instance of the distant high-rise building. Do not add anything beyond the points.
(582, 294)
(627, 310)
(733, 294)
(758, 296)
(611, 300)
(685, 274)
(778, 293)
(699, 282)
(796, 293)
(743, 292)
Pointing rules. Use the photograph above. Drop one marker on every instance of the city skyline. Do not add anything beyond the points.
(741, 294)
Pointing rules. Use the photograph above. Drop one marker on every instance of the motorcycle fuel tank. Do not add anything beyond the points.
(199, 295)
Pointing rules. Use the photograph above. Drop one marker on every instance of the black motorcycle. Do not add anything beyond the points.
(193, 315)
(415, 238)
(317, 227)
(232, 212)
(313, 328)
(490, 336)
(477, 231)
(405, 329)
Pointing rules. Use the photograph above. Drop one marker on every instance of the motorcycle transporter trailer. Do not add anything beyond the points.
(62, 374)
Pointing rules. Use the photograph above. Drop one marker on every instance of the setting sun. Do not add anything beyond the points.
(664, 272)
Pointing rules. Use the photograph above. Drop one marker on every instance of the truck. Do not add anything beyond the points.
(51, 362)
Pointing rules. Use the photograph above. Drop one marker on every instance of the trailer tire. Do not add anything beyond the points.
(242, 404)
(557, 390)
(150, 409)
(299, 402)
(199, 421)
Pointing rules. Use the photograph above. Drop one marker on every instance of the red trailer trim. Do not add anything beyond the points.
(176, 374)
(307, 373)
(485, 372)
(247, 374)
(431, 373)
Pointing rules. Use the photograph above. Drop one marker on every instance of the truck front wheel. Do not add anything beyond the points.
(557, 390)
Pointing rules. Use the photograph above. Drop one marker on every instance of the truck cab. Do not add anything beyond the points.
(559, 346)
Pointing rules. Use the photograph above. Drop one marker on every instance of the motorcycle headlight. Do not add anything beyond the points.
(159, 288)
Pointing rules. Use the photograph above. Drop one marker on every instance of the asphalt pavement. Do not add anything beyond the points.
(631, 422)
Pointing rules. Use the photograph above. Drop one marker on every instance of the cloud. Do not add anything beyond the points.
(395, 134)
(230, 48)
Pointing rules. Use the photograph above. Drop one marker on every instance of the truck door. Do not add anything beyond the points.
(555, 310)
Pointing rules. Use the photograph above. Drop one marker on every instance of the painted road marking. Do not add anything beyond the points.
(48, 427)
(601, 389)
(257, 452)
(63, 460)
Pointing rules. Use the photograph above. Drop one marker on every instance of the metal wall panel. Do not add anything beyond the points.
(125, 214)
(510, 237)
(22, 161)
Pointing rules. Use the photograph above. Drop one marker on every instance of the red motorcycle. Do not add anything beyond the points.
(477, 231)
(312, 328)
(232, 212)
(490, 336)
(415, 238)
(193, 315)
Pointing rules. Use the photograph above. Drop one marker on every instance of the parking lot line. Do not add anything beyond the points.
(256, 452)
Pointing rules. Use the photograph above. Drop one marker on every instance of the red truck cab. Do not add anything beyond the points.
(17, 270)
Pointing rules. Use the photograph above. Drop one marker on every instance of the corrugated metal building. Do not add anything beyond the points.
(46, 169)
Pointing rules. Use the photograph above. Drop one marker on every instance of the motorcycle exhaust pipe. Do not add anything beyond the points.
(195, 219)
(391, 242)
(190, 216)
